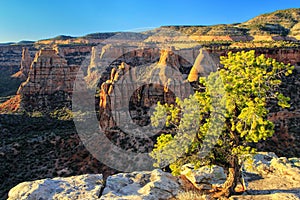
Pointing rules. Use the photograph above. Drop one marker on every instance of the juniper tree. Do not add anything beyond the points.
(217, 123)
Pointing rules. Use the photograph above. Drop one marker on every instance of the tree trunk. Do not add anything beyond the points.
(232, 178)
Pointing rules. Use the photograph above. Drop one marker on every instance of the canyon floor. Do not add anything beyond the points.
(41, 147)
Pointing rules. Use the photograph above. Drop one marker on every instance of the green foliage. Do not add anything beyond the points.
(36, 114)
(62, 114)
(221, 120)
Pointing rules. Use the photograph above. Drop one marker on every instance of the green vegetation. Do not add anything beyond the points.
(280, 23)
(61, 37)
(286, 18)
(99, 35)
(263, 44)
(217, 124)
(33, 145)
(62, 114)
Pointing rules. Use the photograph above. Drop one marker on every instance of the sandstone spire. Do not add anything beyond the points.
(25, 64)
(26, 61)
(203, 66)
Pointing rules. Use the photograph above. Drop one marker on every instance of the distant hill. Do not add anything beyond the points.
(24, 42)
(99, 35)
(278, 25)
(281, 22)
(7, 43)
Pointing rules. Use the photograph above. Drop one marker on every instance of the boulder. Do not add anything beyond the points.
(148, 185)
(74, 187)
(259, 163)
(264, 163)
(283, 166)
(205, 177)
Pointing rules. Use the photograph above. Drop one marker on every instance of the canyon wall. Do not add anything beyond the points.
(11, 56)
(113, 99)
(285, 55)
(51, 75)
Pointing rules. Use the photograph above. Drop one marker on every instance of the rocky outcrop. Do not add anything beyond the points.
(74, 187)
(146, 185)
(11, 105)
(103, 58)
(265, 163)
(204, 178)
(270, 177)
(155, 184)
(203, 66)
(265, 175)
(49, 83)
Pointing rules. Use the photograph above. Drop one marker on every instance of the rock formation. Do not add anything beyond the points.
(25, 64)
(10, 58)
(203, 66)
(75, 54)
(265, 175)
(206, 177)
(74, 187)
(128, 93)
(155, 184)
(49, 83)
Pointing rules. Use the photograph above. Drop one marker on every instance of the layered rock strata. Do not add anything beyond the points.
(128, 94)
(49, 83)
(11, 57)
(25, 64)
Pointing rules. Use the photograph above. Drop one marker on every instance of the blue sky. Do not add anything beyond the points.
(39, 19)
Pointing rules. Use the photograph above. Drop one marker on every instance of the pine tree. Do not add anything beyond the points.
(216, 124)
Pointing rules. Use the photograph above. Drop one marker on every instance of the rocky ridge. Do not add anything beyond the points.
(280, 178)
(278, 25)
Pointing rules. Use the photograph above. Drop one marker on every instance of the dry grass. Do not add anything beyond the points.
(192, 195)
